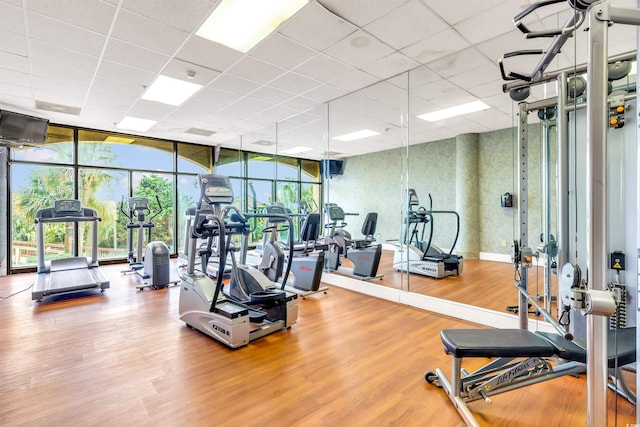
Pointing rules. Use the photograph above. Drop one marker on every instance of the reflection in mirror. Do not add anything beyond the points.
(457, 209)
(367, 129)
(298, 181)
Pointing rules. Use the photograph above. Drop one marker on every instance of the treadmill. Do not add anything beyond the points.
(66, 275)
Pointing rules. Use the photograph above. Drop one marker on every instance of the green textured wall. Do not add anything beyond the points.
(374, 182)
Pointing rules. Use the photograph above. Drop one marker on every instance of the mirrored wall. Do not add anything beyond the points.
(465, 175)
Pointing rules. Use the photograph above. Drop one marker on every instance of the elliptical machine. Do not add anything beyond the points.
(154, 267)
(203, 304)
(363, 254)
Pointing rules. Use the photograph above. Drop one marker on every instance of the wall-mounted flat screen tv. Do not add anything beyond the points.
(22, 129)
(331, 167)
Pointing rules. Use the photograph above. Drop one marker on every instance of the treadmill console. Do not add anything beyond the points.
(67, 207)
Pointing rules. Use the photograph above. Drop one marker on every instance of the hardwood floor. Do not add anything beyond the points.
(124, 358)
(484, 284)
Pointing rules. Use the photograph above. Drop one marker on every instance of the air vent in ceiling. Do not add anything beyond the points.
(57, 108)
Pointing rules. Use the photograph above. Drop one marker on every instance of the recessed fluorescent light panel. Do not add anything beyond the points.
(364, 133)
(170, 91)
(296, 150)
(241, 24)
(458, 110)
(134, 123)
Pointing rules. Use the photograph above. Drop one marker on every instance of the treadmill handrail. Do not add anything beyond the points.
(68, 219)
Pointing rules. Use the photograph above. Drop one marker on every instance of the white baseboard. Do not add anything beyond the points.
(488, 256)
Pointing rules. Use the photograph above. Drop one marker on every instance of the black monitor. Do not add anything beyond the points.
(331, 167)
(22, 129)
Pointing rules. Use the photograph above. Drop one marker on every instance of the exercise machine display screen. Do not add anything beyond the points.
(68, 207)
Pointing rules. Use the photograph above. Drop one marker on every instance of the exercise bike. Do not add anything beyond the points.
(363, 254)
(154, 268)
(423, 257)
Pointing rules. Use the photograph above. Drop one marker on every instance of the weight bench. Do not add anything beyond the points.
(521, 358)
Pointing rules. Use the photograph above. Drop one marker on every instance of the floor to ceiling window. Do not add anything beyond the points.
(261, 180)
(103, 169)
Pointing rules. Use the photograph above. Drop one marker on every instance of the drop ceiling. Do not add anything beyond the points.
(87, 63)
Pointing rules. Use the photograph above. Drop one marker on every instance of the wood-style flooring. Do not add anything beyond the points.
(123, 358)
(482, 283)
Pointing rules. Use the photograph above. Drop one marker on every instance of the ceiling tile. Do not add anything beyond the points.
(11, 19)
(512, 41)
(271, 94)
(14, 103)
(443, 94)
(358, 49)
(125, 73)
(212, 96)
(486, 89)
(94, 15)
(419, 105)
(360, 12)
(503, 103)
(15, 90)
(482, 74)
(273, 114)
(150, 109)
(54, 55)
(255, 70)
(194, 108)
(459, 62)
(325, 93)
(145, 32)
(406, 25)
(390, 65)
(386, 94)
(294, 82)
(135, 56)
(300, 103)
(208, 54)
(454, 11)
(237, 85)
(186, 15)
(10, 61)
(316, 27)
(436, 46)
(237, 112)
(109, 88)
(65, 35)
(13, 43)
(282, 51)
(250, 105)
(354, 80)
(57, 75)
(111, 113)
(182, 70)
(323, 68)
(496, 119)
(65, 94)
(420, 76)
(500, 16)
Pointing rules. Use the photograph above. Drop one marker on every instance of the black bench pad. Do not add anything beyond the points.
(621, 341)
(495, 343)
